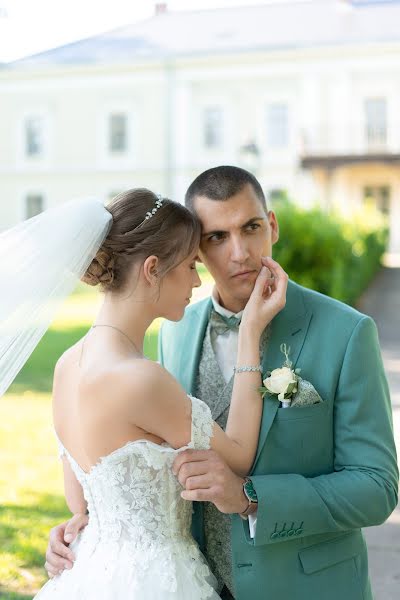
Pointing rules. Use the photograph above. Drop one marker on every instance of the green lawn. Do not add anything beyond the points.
(31, 490)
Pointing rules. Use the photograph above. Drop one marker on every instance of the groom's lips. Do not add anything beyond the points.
(243, 274)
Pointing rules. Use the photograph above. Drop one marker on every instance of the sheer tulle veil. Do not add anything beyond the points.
(41, 261)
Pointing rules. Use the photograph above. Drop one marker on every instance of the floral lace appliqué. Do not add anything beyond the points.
(138, 537)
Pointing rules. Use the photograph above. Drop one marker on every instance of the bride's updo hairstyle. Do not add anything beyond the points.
(171, 234)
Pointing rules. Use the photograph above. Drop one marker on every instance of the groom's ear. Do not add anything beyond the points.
(150, 269)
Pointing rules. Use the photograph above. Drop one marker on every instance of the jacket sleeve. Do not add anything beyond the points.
(363, 487)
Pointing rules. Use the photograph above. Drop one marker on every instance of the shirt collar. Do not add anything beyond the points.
(220, 309)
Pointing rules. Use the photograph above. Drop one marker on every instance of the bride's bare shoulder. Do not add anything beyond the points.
(66, 362)
(138, 382)
(126, 379)
(141, 374)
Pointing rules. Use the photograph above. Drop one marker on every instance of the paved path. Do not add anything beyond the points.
(382, 302)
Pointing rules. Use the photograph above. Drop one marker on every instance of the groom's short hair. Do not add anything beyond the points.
(221, 183)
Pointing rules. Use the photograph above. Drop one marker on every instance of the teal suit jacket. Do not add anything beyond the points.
(321, 472)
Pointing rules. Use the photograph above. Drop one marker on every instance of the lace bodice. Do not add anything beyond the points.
(134, 500)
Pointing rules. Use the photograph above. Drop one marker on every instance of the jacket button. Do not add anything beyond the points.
(299, 531)
(283, 534)
(274, 535)
(290, 532)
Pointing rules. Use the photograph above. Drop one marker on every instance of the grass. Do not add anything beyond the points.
(31, 488)
(31, 492)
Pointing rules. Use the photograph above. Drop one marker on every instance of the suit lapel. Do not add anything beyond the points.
(290, 326)
(193, 336)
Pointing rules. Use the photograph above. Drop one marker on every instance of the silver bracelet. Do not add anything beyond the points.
(245, 369)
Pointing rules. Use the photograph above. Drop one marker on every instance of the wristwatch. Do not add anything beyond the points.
(251, 495)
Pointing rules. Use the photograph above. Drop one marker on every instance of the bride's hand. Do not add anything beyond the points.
(268, 297)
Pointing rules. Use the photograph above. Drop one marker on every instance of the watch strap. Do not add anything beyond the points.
(253, 503)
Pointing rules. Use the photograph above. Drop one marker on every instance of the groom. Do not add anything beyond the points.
(322, 471)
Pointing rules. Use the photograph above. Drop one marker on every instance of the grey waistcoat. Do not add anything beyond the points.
(214, 391)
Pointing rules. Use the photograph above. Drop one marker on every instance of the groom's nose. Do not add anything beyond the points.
(238, 250)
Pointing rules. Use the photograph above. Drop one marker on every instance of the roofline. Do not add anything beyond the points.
(156, 62)
(165, 15)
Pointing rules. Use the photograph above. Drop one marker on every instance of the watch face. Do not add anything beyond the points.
(250, 491)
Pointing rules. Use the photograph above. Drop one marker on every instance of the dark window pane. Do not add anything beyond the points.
(33, 205)
(376, 122)
(33, 136)
(118, 139)
(213, 127)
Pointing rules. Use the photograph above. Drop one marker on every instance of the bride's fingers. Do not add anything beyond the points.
(278, 287)
(269, 282)
(280, 276)
(263, 276)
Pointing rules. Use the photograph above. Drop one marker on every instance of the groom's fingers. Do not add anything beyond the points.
(191, 469)
(58, 554)
(188, 456)
(74, 525)
(202, 495)
(199, 482)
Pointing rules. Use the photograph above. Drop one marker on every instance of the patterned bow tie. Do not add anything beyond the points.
(220, 324)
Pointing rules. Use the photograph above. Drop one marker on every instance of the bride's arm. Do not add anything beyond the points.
(238, 444)
(159, 405)
(73, 490)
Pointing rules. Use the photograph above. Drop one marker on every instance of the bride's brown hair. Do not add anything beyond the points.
(172, 234)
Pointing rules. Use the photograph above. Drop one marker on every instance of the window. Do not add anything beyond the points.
(378, 196)
(375, 120)
(118, 133)
(34, 144)
(213, 127)
(33, 205)
(277, 125)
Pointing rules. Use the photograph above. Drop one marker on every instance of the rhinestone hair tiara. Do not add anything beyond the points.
(151, 213)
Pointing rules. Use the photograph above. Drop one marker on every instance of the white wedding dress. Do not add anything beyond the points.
(138, 543)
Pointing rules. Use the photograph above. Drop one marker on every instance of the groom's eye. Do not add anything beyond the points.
(216, 237)
(253, 226)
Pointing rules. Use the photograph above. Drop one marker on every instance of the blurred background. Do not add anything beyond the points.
(99, 97)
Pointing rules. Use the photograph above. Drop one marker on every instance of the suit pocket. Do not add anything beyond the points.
(296, 413)
(326, 554)
(300, 441)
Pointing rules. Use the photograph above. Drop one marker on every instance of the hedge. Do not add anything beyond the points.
(329, 254)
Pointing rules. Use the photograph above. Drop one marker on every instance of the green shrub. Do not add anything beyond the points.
(327, 253)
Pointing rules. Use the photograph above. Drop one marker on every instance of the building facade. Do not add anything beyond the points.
(304, 94)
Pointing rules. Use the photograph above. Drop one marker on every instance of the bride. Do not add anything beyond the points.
(121, 419)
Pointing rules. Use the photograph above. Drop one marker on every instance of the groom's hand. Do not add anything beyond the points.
(58, 555)
(207, 478)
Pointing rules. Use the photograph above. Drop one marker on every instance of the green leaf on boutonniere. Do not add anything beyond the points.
(292, 388)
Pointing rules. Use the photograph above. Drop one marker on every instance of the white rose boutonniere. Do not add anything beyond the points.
(283, 381)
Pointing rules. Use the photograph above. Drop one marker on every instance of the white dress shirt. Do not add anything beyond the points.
(225, 347)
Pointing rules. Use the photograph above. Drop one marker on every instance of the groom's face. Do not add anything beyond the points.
(236, 233)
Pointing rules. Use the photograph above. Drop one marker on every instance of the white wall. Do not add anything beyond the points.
(324, 90)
